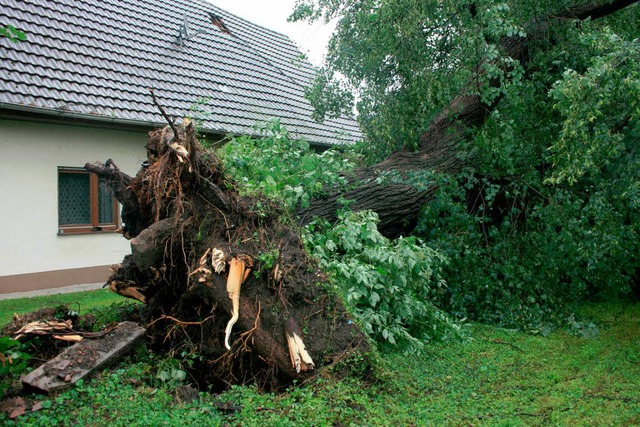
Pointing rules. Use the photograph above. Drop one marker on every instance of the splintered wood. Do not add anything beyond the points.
(59, 329)
(126, 289)
(300, 358)
(239, 270)
(218, 264)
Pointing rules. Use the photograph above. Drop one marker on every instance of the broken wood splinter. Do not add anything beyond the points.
(239, 270)
(218, 260)
(127, 290)
(218, 263)
(300, 359)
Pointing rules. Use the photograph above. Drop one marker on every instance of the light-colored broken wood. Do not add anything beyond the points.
(127, 290)
(218, 260)
(218, 263)
(239, 270)
(44, 328)
(278, 275)
(300, 358)
(205, 275)
(181, 153)
(203, 258)
(58, 329)
(70, 338)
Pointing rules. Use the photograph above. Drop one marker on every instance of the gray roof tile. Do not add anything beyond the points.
(99, 58)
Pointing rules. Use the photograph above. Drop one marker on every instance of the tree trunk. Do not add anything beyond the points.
(187, 232)
(398, 205)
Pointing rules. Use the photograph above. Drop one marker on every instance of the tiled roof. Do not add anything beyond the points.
(97, 59)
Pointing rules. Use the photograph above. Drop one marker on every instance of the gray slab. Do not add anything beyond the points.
(84, 358)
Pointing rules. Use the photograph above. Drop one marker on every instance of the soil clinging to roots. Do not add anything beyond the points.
(202, 255)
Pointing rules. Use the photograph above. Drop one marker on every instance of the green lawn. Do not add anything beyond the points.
(500, 378)
(82, 302)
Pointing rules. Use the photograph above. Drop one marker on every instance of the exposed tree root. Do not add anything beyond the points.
(194, 243)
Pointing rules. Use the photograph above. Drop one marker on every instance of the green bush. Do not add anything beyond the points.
(13, 361)
(523, 257)
(389, 285)
(282, 167)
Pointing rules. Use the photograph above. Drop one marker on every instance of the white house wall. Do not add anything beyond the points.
(29, 242)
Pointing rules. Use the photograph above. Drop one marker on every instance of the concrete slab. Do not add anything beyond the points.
(84, 358)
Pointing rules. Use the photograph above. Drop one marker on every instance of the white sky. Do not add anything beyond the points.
(311, 39)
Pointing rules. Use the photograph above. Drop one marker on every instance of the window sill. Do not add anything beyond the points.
(73, 231)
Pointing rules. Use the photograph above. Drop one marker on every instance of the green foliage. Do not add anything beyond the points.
(13, 361)
(600, 107)
(116, 312)
(266, 262)
(199, 113)
(12, 33)
(522, 256)
(389, 285)
(548, 214)
(329, 95)
(282, 167)
(170, 373)
(404, 60)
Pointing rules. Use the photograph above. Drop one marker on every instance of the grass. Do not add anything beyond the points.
(82, 302)
(584, 376)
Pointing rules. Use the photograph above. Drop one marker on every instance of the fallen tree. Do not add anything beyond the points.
(222, 277)
(440, 147)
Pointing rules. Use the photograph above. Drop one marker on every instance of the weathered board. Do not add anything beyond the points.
(83, 358)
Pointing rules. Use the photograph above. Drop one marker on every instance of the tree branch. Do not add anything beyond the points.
(440, 145)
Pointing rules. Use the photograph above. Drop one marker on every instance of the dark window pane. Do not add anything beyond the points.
(105, 203)
(74, 198)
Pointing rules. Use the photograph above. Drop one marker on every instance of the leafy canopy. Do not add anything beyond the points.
(547, 212)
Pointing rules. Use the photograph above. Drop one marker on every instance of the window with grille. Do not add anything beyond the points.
(85, 203)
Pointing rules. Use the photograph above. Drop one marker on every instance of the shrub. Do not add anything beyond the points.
(282, 167)
(390, 285)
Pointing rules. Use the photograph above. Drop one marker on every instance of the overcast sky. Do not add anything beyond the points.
(312, 40)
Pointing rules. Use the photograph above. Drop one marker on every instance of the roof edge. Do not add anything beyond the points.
(47, 115)
(39, 114)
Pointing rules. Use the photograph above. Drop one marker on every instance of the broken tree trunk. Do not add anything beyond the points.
(398, 205)
(196, 247)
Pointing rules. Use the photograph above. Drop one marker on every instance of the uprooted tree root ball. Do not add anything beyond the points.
(216, 270)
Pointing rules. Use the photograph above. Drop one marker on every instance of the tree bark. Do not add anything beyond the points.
(398, 205)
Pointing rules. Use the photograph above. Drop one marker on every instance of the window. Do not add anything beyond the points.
(85, 203)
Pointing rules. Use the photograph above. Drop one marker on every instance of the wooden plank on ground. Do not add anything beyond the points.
(83, 359)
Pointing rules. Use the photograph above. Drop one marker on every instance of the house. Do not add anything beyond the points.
(77, 91)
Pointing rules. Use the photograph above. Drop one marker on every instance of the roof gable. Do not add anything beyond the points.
(99, 58)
